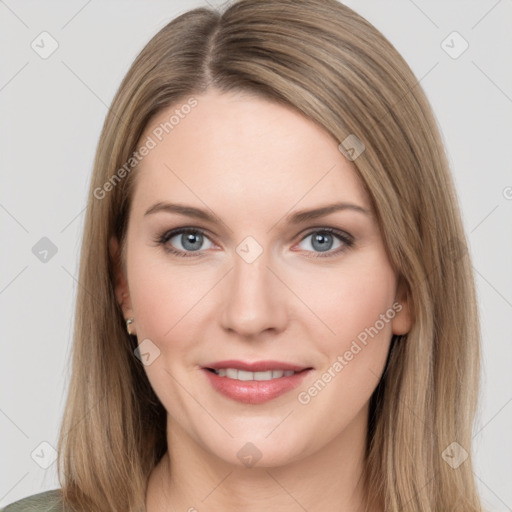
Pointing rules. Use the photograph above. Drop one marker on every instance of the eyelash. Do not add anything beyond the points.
(162, 240)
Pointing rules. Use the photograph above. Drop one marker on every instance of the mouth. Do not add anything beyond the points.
(254, 383)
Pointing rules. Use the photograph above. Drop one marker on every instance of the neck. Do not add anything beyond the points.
(190, 478)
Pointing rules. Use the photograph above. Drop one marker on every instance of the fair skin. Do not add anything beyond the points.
(252, 163)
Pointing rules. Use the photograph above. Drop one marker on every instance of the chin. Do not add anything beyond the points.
(259, 451)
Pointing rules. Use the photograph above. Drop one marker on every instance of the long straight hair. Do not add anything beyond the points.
(330, 64)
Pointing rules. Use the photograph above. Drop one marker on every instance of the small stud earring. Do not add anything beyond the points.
(128, 323)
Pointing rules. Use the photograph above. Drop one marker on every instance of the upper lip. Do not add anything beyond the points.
(256, 366)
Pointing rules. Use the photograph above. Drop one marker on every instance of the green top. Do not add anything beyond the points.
(47, 501)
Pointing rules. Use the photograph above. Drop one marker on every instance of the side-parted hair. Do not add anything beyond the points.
(329, 63)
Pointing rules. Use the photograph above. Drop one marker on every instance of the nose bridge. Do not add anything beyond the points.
(254, 302)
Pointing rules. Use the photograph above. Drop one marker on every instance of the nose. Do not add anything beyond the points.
(256, 299)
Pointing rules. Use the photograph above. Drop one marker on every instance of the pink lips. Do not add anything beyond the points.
(253, 391)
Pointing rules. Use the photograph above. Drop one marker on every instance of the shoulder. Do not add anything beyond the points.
(47, 501)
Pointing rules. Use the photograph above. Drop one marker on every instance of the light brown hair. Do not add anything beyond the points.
(325, 60)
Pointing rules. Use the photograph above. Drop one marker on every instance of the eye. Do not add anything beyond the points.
(323, 240)
(190, 239)
(184, 242)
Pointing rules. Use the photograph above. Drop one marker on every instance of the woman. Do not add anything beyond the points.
(247, 157)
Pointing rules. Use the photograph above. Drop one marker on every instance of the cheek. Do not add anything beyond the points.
(162, 295)
(166, 300)
(351, 302)
(357, 306)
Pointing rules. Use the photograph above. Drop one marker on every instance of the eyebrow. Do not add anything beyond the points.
(294, 218)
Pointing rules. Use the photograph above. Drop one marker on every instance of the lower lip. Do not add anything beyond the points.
(255, 391)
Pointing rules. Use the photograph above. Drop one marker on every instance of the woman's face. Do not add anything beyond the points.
(250, 283)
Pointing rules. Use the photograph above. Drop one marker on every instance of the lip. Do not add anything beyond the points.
(256, 366)
(255, 391)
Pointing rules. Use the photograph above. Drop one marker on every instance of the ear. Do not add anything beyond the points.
(402, 322)
(121, 283)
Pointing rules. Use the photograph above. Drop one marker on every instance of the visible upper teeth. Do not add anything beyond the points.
(233, 373)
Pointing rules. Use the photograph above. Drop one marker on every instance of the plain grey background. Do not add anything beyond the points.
(52, 110)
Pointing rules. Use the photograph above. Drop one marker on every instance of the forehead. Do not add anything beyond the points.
(245, 149)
